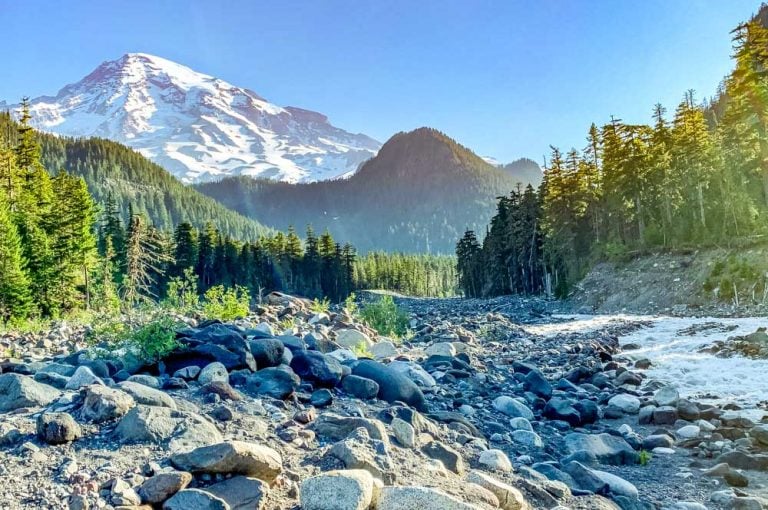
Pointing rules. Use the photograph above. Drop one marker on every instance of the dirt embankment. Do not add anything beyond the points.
(720, 282)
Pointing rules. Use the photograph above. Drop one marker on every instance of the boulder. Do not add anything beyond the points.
(162, 486)
(393, 385)
(321, 398)
(628, 404)
(509, 497)
(236, 457)
(83, 376)
(195, 499)
(495, 460)
(600, 482)
(146, 380)
(760, 434)
(562, 409)
(275, 382)
(441, 349)
(537, 384)
(512, 407)
(267, 352)
(741, 460)
(606, 448)
(360, 387)
(360, 451)
(17, 391)
(337, 427)
(102, 404)
(57, 428)
(337, 490)
(317, 368)
(421, 498)
(178, 430)
(213, 372)
(241, 492)
(528, 438)
(233, 349)
(147, 396)
(450, 458)
(351, 338)
(404, 432)
(666, 396)
(383, 349)
(414, 372)
(665, 415)
(658, 441)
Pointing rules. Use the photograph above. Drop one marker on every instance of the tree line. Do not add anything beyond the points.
(699, 178)
(60, 250)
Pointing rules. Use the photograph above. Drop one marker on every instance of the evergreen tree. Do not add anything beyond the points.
(15, 299)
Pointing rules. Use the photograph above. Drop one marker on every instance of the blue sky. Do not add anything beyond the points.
(506, 78)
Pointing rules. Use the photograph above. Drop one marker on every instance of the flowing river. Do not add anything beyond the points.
(673, 345)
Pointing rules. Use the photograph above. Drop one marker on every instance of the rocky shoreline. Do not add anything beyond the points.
(472, 412)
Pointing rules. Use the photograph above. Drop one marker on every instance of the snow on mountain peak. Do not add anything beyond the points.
(200, 127)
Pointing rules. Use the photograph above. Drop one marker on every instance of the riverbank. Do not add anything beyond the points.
(487, 404)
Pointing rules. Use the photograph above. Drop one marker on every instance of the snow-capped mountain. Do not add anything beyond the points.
(199, 127)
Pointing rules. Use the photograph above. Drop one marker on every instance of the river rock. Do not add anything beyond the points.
(666, 396)
(606, 448)
(509, 497)
(527, 437)
(562, 409)
(57, 428)
(414, 372)
(237, 457)
(338, 427)
(317, 368)
(596, 481)
(760, 434)
(665, 415)
(537, 384)
(241, 492)
(321, 398)
(351, 338)
(496, 460)
(146, 395)
(688, 432)
(422, 498)
(658, 441)
(102, 404)
(512, 407)
(276, 382)
(178, 430)
(162, 486)
(393, 386)
(383, 349)
(195, 499)
(741, 460)
(17, 391)
(441, 349)
(267, 352)
(360, 387)
(404, 432)
(450, 458)
(629, 404)
(337, 490)
(213, 372)
(360, 451)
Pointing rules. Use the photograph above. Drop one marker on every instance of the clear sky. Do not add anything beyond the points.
(506, 78)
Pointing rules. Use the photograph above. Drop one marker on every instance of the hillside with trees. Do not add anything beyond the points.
(113, 171)
(696, 178)
(417, 195)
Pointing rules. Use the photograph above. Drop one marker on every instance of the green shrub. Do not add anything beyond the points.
(181, 293)
(644, 457)
(226, 303)
(154, 340)
(361, 351)
(318, 306)
(350, 306)
(386, 317)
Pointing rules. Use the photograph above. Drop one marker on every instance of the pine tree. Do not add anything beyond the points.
(15, 298)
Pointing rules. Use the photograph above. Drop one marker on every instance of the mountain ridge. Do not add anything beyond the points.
(197, 126)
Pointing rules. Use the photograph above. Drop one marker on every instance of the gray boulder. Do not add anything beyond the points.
(241, 492)
(83, 376)
(605, 448)
(177, 430)
(146, 395)
(600, 482)
(337, 490)
(162, 486)
(195, 499)
(102, 404)
(275, 382)
(237, 457)
(421, 498)
(57, 428)
(512, 407)
(17, 391)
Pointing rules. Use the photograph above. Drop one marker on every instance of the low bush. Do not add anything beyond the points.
(386, 317)
(226, 304)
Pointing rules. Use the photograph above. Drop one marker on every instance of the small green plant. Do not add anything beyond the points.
(386, 317)
(287, 323)
(182, 293)
(318, 306)
(154, 340)
(226, 303)
(361, 351)
(644, 457)
(350, 306)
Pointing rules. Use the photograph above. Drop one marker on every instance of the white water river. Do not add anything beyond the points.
(675, 354)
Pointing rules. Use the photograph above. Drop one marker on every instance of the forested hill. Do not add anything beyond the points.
(111, 168)
(417, 195)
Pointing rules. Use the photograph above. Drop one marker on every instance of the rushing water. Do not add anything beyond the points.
(673, 345)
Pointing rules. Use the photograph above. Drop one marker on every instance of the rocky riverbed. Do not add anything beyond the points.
(489, 404)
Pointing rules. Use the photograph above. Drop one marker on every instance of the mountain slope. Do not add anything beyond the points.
(417, 195)
(526, 171)
(111, 168)
(199, 127)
